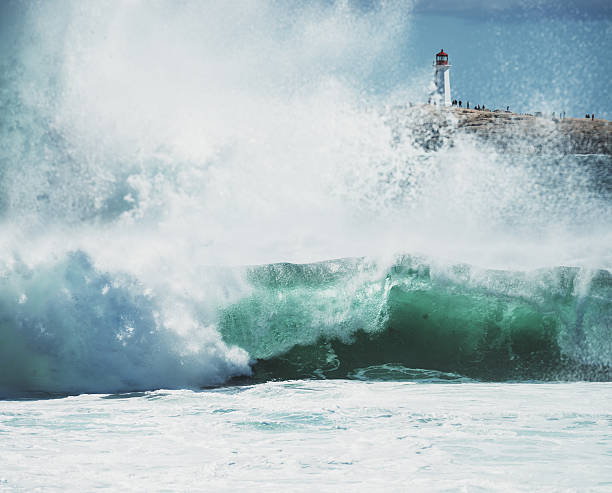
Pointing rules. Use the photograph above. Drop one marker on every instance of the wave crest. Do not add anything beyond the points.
(66, 327)
(330, 319)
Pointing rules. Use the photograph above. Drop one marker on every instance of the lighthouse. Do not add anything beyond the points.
(442, 93)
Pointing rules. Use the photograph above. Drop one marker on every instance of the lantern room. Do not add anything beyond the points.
(442, 58)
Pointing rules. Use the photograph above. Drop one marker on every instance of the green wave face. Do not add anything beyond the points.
(353, 319)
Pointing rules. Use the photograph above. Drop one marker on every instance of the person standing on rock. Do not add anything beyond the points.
(592, 116)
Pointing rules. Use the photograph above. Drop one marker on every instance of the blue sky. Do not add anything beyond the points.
(536, 55)
(518, 8)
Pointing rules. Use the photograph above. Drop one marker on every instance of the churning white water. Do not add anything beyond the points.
(330, 436)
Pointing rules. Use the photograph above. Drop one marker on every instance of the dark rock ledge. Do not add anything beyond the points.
(433, 127)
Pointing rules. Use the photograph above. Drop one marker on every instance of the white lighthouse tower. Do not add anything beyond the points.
(442, 93)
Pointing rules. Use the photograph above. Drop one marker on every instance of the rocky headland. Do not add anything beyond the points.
(433, 127)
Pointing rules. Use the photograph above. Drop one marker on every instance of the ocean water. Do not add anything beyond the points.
(330, 435)
(228, 260)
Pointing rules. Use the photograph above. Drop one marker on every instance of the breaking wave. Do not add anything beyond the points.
(151, 151)
(68, 328)
(352, 319)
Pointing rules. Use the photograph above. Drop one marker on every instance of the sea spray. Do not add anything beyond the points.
(150, 149)
(67, 327)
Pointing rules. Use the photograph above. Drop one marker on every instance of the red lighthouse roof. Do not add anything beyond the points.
(441, 58)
